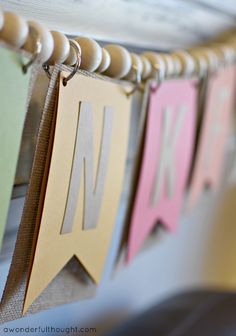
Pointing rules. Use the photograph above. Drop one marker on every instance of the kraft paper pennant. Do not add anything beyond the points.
(72, 283)
(14, 95)
(166, 160)
(84, 182)
(215, 126)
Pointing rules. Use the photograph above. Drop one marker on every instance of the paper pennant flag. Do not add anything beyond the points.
(166, 160)
(72, 276)
(84, 181)
(216, 121)
(136, 135)
(14, 87)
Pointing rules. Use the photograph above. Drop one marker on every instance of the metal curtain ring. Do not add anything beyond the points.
(46, 68)
(159, 76)
(77, 48)
(37, 50)
(160, 73)
(137, 81)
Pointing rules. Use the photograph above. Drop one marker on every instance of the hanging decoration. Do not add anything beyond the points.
(86, 156)
(166, 160)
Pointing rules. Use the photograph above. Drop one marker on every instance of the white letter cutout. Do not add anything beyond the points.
(83, 161)
(166, 167)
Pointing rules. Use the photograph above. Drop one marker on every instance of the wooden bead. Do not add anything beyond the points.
(229, 53)
(120, 61)
(178, 66)
(91, 53)
(61, 48)
(106, 60)
(147, 67)
(169, 63)
(187, 62)
(136, 68)
(211, 58)
(15, 29)
(157, 62)
(45, 37)
(218, 52)
(201, 62)
(1, 19)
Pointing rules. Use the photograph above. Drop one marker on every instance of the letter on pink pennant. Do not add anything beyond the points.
(213, 135)
(166, 160)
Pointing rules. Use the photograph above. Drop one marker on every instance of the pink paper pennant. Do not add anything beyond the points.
(216, 122)
(166, 160)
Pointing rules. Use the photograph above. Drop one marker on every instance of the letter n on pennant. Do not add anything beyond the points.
(83, 160)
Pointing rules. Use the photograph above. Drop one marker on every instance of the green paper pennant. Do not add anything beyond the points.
(13, 99)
